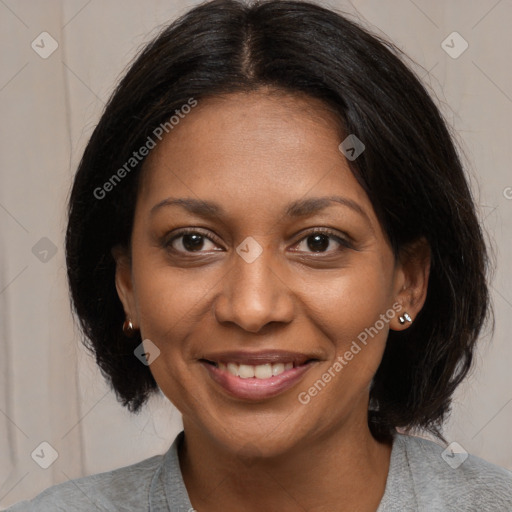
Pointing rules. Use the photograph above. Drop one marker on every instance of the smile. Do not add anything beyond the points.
(276, 373)
(261, 371)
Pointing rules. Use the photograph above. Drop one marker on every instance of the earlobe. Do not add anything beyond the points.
(123, 282)
(414, 274)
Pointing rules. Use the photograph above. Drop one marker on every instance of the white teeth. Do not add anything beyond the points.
(245, 371)
(263, 371)
(233, 368)
(260, 371)
(277, 368)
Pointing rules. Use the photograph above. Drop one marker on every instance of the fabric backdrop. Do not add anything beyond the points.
(50, 390)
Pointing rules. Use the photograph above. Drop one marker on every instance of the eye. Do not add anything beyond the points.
(320, 240)
(190, 240)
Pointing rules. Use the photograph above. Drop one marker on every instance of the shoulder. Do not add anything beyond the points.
(122, 489)
(450, 477)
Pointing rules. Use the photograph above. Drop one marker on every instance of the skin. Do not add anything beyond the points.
(253, 154)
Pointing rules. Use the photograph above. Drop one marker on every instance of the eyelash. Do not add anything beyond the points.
(197, 231)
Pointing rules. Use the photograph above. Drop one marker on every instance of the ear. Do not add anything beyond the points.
(413, 271)
(124, 282)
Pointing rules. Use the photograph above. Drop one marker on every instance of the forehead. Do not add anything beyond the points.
(252, 146)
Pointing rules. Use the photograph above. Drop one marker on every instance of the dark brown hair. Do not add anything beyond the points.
(410, 170)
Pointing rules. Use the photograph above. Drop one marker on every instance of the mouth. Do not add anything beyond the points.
(257, 376)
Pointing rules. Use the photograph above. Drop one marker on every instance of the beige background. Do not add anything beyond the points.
(50, 389)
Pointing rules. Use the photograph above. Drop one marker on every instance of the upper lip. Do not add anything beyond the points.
(257, 358)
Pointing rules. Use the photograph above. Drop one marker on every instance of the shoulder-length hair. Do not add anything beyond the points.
(410, 170)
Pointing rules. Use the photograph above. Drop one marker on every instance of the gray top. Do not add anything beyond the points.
(421, 478)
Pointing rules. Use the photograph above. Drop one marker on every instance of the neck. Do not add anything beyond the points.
(343, 470)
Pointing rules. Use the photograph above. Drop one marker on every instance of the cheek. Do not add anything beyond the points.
(169, 304)
(169, 300)
(347, 310)
(348, 304)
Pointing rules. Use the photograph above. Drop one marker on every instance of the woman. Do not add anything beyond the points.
(271, 225)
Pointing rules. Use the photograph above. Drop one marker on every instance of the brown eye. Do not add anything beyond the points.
(322, 241)
(190, 241)
(318, 242)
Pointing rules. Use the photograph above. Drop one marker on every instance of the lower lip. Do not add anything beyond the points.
(253, 388)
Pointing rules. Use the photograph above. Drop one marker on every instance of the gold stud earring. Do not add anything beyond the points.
(128, 329)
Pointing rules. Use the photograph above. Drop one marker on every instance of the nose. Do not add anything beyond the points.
(255, 294)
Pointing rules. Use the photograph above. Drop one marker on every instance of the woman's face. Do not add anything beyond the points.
(252, 177)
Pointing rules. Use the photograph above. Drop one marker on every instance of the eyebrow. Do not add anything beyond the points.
(299, 208)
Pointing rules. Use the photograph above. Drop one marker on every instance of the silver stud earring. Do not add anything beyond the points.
(404, 318)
